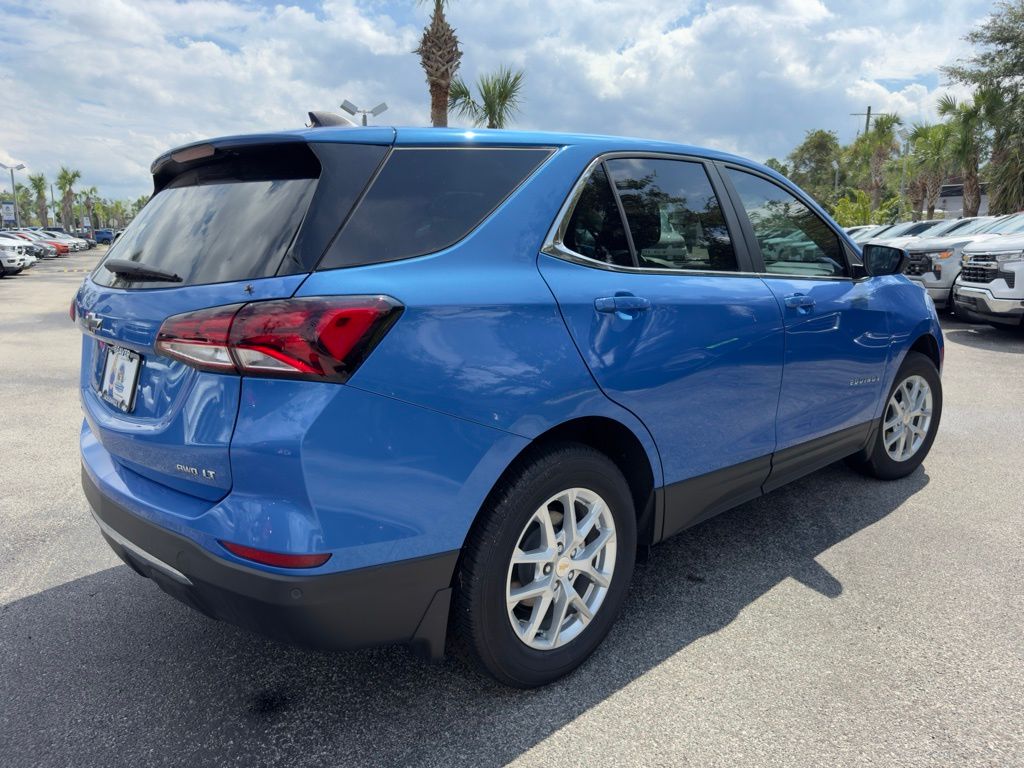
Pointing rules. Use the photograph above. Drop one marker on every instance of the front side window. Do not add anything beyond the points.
(793, 239)
(674, 216)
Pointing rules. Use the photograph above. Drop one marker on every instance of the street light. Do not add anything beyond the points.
(14, 192)
(352, 109)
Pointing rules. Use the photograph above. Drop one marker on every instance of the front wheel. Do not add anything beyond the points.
(547, 567)
(909, 422)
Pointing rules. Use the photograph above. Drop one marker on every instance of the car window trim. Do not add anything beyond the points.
(748, 229)
(554, 240)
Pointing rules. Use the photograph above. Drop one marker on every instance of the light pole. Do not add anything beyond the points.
(14, 192)
(352, 109)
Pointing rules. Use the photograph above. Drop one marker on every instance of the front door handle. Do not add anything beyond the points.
(626, 304)
(799, 301)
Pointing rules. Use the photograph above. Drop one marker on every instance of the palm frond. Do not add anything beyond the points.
(461, 102)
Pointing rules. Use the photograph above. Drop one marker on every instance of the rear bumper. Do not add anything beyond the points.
(403, 602)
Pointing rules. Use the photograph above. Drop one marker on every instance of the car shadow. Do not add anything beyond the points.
(984, 336)
(107, 670)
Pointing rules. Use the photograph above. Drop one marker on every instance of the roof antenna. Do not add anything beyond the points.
(322, 119)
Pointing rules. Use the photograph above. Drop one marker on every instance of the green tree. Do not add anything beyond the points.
(89, 196)
(930, 147)
(881, 147)
(777, 165)
(38, 183)
(23, 197)
(967, 140)
(138, 204)
(66, 180)
(814, 164)
(997, 71)
(440, 55)
(500, 97)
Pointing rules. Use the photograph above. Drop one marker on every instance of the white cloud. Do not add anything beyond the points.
(108, 85)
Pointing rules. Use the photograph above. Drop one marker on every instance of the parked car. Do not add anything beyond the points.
(74, 243)
(899, 233)
(935, 262)
(104, 236)
(36, 250)
(991, 282)
(12, 257)
(61, 247)
(864, 233)
(337, 438)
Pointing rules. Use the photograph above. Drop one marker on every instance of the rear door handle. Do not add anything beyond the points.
(622, 304)
(799, 301)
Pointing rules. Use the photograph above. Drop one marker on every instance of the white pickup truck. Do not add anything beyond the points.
(991, 282)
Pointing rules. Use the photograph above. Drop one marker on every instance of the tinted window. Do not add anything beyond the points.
(595, 228)
(215, 233)
(793, 239)
(425, 200)
(674, 216)
(232, 218)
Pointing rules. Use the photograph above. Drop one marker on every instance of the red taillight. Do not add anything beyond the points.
(309, 338)
(278, 559)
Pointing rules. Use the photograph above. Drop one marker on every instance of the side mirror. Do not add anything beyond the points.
(883, 260)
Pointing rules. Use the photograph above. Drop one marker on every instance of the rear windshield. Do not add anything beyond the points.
(425, 200)
(231, 220)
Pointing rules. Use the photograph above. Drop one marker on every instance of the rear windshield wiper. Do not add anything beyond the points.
(125, 268)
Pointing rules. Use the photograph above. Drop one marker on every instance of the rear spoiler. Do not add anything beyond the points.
(191, 156)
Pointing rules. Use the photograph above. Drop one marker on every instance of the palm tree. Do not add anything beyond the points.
(138, 204)
(967, 143)
(439, 56)
(882, 145)
(66, 179)
(38, 183)
(931, 159)
(1003, 118)
(118, 213)
(499, 98)
(89, 202)
(23, 197)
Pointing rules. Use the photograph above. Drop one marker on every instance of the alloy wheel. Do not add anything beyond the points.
(908, 416)
(561, 569)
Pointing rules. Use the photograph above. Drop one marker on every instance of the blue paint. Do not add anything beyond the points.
(496, 345)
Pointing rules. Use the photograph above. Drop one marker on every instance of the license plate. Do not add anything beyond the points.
(120, 377)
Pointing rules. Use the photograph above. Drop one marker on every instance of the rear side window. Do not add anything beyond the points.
(595, 228)
(673, 213)
(425, 200)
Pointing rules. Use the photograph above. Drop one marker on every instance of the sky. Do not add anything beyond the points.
(105, 86)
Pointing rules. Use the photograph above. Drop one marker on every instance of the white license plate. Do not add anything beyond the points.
(120, 377)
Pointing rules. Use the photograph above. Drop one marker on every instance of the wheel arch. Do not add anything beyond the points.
(620, 444)
(927, 345)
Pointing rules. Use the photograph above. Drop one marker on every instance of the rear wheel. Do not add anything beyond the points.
(909, 422)
(547, 567)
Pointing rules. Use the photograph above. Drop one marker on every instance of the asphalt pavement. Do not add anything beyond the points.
(838, 621)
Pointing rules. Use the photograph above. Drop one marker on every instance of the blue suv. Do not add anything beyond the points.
(354, 386)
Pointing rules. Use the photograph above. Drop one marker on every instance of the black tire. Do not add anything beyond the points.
(874, 460)
(480, 615)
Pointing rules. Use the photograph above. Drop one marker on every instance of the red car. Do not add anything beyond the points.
(62, 248)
